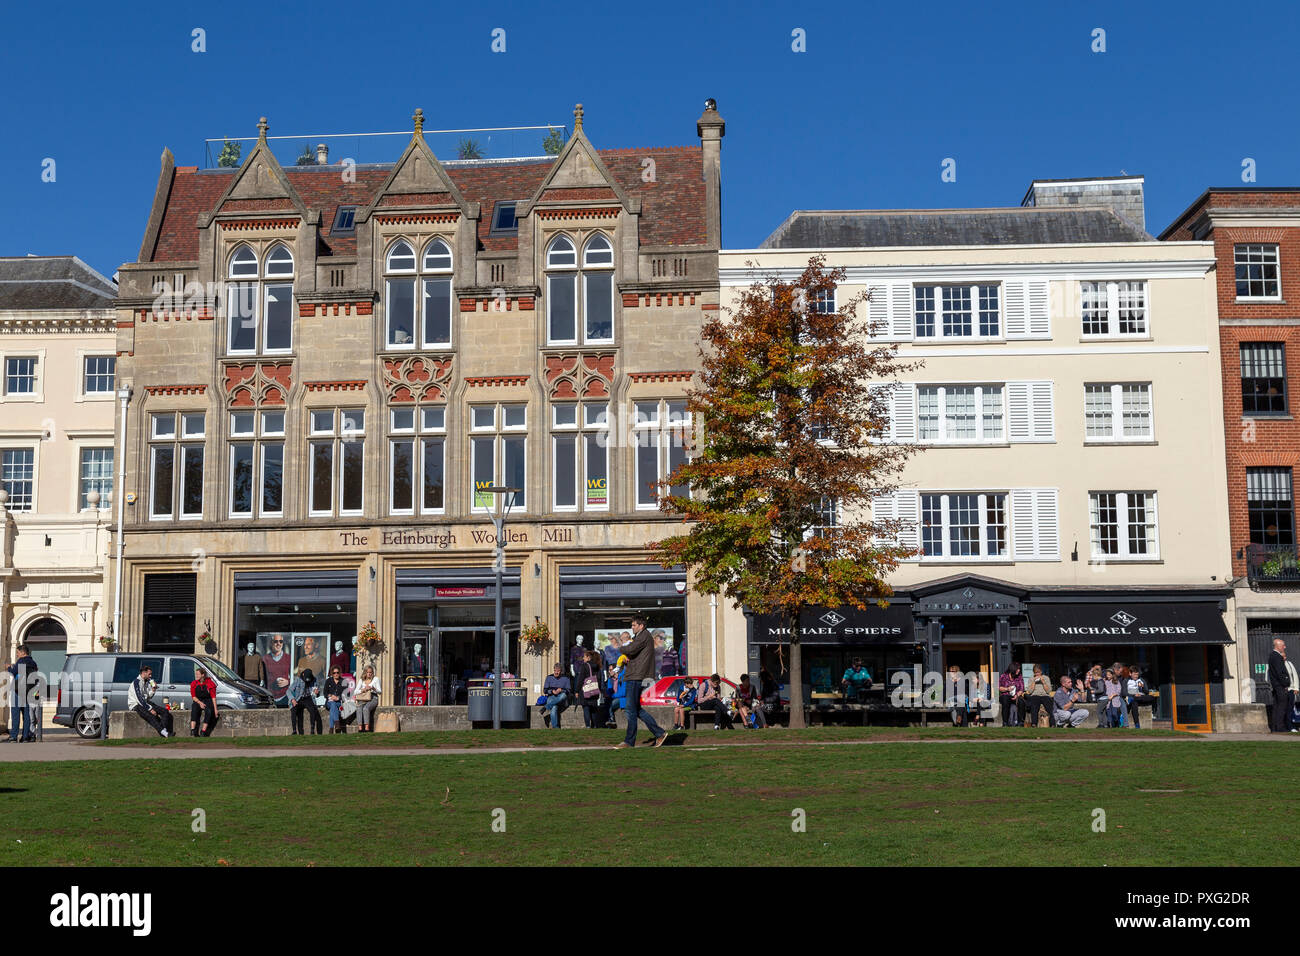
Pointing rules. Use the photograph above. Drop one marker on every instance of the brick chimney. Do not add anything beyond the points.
(711, 127)
(1122, 194)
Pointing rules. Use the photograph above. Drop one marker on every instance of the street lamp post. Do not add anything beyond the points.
(499, 566)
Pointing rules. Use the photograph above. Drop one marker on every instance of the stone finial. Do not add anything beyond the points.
(418, 117)
(262, 127)
(577, 118)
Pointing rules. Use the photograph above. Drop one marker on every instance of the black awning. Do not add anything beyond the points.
(1138, 622)
(843, 626)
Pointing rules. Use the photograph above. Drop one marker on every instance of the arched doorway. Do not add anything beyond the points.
(48, 643)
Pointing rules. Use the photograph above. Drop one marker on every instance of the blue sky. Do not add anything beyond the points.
(863, 119)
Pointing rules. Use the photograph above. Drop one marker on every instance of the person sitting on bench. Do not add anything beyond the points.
(139, 698)
(856, 682)
(1065, 701)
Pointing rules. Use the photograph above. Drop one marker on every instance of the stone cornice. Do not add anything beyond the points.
(58, 321)
(863, 275)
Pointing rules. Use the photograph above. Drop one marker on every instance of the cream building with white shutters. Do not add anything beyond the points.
(57, 386)
(1068, 505)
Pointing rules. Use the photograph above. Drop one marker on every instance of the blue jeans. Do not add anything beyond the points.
(25, 713)
(634, 712)
(334, 706)
(554, 704)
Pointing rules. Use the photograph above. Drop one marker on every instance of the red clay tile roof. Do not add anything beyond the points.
(672, 211)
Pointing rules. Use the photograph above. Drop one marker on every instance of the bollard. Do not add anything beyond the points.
(39, 714)
(103, 719)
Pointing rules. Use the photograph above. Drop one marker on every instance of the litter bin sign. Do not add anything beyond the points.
(514, 700)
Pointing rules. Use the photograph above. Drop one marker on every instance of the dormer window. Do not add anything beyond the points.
(259, 314)
(418, 307)
(597, 277)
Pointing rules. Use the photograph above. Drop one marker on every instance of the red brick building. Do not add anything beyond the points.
(1256, 236)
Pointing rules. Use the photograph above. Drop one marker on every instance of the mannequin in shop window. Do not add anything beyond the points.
(415, 663)
(276, 662)
(577, 657)
(251, 667)
(340, 659)
(312, 658)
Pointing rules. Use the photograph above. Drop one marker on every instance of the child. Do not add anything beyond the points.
(617, 689)
(685, 703)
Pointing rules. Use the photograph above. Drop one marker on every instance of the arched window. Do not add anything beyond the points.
(597, 278)
(598, 252)
(598, 290)
(421, 301)
(243, 264)
(561, 254)
(401, 258)
(437, 257)
(260, 314)
(279, 262)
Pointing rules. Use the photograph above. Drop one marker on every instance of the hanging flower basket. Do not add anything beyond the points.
(536, 637)
(369, 640)
(209, 645)
(107, 643)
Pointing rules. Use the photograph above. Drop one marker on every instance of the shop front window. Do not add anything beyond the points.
(445, 645)
(290, 638)
(605, 624)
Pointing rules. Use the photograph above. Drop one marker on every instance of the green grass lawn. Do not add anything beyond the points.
(906, 803)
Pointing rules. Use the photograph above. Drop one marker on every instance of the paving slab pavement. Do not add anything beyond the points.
(66, 746)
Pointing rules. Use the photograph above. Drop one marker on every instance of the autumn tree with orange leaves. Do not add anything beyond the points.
(789, 409)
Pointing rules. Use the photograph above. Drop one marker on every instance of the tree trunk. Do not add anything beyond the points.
(797, 721)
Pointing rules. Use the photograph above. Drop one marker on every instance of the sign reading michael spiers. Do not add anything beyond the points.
(1124, 622)
(847, 625)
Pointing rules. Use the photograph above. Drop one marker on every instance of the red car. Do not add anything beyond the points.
(664, 691)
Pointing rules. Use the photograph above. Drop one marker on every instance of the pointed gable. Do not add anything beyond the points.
(418, 179)
(260, 185)
(579, 175)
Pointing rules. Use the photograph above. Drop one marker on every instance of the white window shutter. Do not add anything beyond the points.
(902, 414)
(874, 392)
(883, 509)
(1040, 319)
(1031, 411)
(1035, 526)
(907, 507)
(900, 311)
(1015, 316)
(1044, 411)
(878, 311)
(1023, 533)
(1049, 535)
(1019, 406)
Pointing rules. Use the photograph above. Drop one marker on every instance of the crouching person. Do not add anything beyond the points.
(139, 698)
(1066, 707)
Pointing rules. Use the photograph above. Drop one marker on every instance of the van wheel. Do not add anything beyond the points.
(86, 723)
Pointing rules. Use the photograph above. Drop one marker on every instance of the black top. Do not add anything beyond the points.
(334, 688)
(1277, 669)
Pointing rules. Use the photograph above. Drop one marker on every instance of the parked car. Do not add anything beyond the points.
(88, 678)
(663, 692)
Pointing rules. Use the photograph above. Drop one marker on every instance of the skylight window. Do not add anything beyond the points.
(503, 218)
(345, 223)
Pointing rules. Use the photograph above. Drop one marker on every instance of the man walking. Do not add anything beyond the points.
(1279, 681)
(640, 653)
